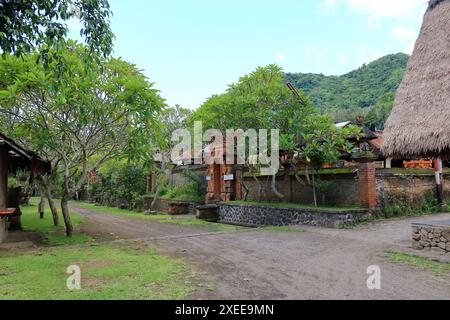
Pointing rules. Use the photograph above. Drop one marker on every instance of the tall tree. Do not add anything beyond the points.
(170, 119)
(84, 116)
(259, 100)
(26, 25)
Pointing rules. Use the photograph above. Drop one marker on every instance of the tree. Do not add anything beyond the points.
(169, 120)
(84, 116)
(260, 100)
(378, 115)
(357, 90)
(321, 142)
(26, 25)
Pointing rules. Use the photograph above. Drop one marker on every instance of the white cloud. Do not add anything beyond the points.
(403, 33)
(342, 58)
(280, 57)
(409, 48)
(315, 51)
(366, 55)
(327, 5)
(375, 10)
(386, 8)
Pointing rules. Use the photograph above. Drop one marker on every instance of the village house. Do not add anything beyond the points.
(12, 158)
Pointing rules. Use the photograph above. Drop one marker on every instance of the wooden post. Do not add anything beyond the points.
(4, 168)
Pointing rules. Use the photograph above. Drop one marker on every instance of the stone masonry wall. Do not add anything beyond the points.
(276, 216)
(162, 205)
(436, 238)
(412, 189)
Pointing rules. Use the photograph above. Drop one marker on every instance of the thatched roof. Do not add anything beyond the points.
(419, 125)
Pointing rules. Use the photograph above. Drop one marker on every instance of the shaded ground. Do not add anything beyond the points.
(314, 264)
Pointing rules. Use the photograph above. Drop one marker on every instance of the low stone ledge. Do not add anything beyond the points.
(433, 236)
(178, 208)
(208, 212)
(263, 216)
(162, 205)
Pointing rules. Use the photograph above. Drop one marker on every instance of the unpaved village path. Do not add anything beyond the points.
(314, 264)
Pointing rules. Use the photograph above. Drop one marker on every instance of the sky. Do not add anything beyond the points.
(192, 49)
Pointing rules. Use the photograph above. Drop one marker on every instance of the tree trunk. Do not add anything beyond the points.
(156, 197)
(47, 188)
(41, 207)
(314, 188)
(53, 209)
(244, 186)
(274, 188)
(66, 216)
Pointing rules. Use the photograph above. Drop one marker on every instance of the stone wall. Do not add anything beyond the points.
(162, 205)
(434, 237)
(177, 176)
(276, 216)
(412, 189)
(345, 190)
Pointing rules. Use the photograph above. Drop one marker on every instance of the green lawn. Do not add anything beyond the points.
(108, 271)
(440, 269)
(54, 235)
(293, 206)
(162, 218)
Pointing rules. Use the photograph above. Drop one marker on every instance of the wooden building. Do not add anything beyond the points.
(12, 158)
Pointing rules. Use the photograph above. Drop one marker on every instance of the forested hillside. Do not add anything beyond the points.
(357, 93)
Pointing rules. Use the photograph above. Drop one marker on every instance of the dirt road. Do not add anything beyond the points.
(313, 264)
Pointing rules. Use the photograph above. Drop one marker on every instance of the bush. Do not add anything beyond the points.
(122, 185)
(188, 192)
(400, 207)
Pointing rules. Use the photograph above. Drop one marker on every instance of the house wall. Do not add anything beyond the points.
(349, 190)
(341, 190)
(366, 188)
(413, 189)
(177, 176)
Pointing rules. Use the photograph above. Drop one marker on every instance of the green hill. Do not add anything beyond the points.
(358, 90)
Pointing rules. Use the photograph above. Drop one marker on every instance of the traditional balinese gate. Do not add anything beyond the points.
(223, 180)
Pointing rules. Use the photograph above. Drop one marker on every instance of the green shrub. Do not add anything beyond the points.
(122, 184)
(188, 192)
(401, 207)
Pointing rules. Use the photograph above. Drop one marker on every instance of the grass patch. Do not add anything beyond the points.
(293, 206)
(440, 269)
(54, 235)
(108, 272)
(162, 218)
